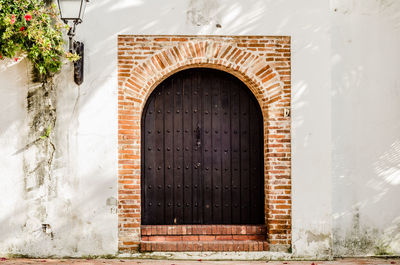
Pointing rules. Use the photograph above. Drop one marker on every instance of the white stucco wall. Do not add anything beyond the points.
(366, 126)
(338, 94)
(13, 90)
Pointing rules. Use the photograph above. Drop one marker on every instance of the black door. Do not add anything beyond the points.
(202, 151)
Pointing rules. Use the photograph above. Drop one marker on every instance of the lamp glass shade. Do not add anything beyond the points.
(72, 9)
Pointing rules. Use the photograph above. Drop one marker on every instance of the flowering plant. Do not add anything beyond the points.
(32, 27)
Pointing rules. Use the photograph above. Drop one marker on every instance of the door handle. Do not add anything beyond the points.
(198, 142)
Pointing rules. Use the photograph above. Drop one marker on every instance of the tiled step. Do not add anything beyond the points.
(184, 230)
(203, 238)
(203, 246)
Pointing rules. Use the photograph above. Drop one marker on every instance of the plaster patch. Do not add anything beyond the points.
(204, 12)
(314, 242)
(111, 201)
(314, 237)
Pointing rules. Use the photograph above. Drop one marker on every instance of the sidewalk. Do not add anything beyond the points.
(352, 261)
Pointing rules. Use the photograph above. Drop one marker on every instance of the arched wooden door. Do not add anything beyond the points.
(202, 151)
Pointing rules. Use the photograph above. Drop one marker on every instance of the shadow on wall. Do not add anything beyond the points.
(13, 76)
(366, 115)
(201, 17)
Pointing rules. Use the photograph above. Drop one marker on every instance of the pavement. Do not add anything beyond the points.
(347, 261)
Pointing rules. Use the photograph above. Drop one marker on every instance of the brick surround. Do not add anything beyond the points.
(261, 62)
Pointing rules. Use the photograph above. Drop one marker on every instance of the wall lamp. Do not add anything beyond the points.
(71, 12)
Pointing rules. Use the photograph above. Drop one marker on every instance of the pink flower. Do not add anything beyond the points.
(22, 28)
(28, 17)
(16, 59)
(12, 19)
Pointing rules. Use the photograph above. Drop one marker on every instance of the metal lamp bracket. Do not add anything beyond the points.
(78, 65)
(78, 48)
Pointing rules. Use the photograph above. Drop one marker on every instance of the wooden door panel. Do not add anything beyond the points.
(202, 151)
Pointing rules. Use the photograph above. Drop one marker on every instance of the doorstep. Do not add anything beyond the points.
(203, 238)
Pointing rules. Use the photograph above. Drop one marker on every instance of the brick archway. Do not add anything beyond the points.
(262, 63)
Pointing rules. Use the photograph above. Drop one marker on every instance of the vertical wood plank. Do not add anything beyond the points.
(235, 157)
(256, 165)
(216, 146)
(244, 156)
(197, 144)
(188, 149)
(207, 150)
(169, 151)
(150, 180)
(226, 151)
(178, 152)
(158, 151)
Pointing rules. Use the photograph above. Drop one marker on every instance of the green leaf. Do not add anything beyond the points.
(46, 133)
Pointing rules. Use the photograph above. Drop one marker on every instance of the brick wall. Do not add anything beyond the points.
(262, 63)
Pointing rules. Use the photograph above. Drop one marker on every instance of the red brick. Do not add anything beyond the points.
(206, 238)
(173, 238)
(224, 237)
(190, 238)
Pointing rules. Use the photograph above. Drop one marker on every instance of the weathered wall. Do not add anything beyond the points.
(306, 23)
(41, 187)
(13, 91)
(360, 114)
(366, 126)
